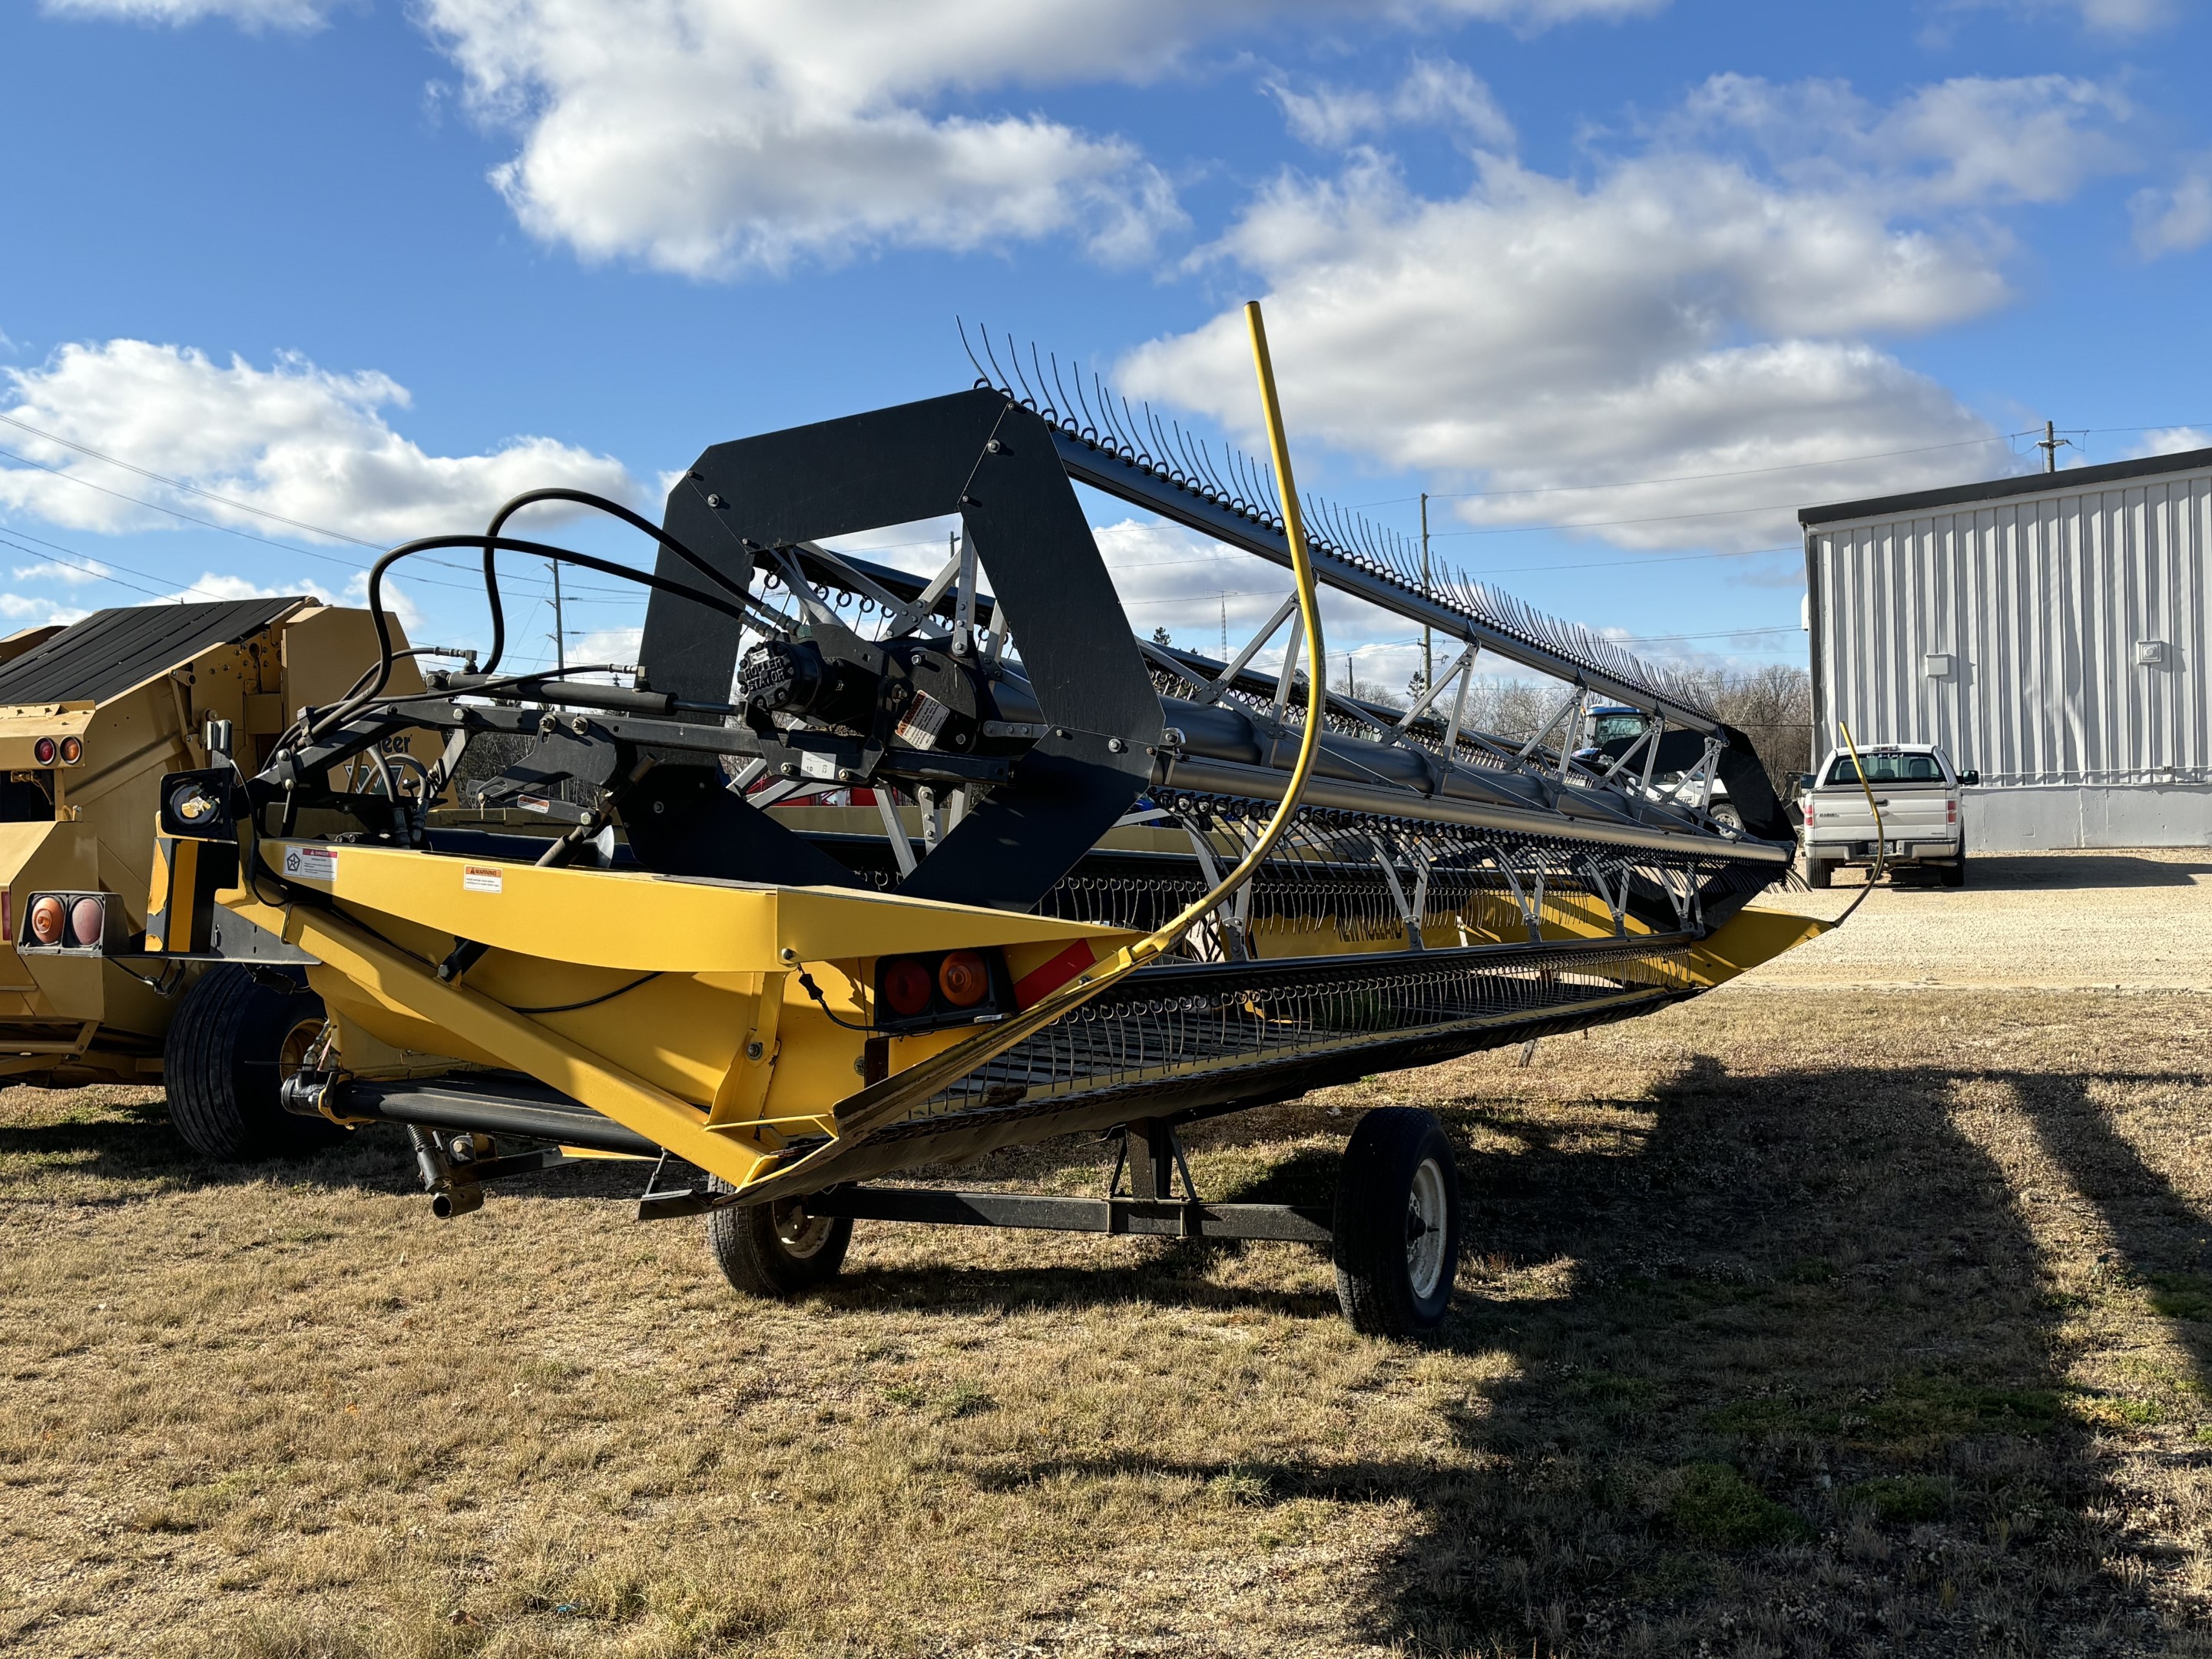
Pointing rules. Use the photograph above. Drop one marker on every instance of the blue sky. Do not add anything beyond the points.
(371, 268)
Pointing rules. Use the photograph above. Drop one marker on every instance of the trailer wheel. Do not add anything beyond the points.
(776, 1249)
(234, 1041)
(1820, 874)
(1397, 1224)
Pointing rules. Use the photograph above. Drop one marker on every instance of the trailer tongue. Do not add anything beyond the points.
(782, 1015)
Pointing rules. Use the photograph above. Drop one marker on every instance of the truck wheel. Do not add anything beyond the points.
(1728, 817)
(1397, 1224)
(776, 1249)
(233, 1043)
(1820, 874)
(1954, 874)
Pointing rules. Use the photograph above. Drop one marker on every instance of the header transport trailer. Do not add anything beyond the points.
(1149, 887)
(92, 716)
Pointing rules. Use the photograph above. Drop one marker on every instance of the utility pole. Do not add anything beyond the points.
(1428, 649)
(2051, 444)
(560, 631)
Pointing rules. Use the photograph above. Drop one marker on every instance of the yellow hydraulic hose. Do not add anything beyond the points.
(1879, 848)
(882, 1102)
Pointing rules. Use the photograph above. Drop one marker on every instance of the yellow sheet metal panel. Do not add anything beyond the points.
(1748, 938)
(553, 1059)
(643, 922)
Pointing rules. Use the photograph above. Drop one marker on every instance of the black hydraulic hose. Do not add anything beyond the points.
(346, 710)
(583, 498)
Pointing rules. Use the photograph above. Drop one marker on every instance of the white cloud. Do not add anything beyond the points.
(292, 440)
(75, 575)
(2120, 17)
(2174, 439)
(30, 611)
(1435, 92)
(1969, 141)
(2176, 218)
(1686, 314)
(712, 137)
(250, 15)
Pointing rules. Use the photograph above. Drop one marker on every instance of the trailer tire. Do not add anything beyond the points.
(225, 1060)
(776, 1249)
(1820, 874)
(1397, 1224)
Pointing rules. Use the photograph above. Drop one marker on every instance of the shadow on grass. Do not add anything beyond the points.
(134, 1147)
(1805, 1393)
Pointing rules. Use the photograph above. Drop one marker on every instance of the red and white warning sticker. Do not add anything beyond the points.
(482, 879)
(923, 724)
(312, 863)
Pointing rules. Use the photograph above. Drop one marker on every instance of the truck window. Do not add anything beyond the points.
(1886, 768)
(1613, 728)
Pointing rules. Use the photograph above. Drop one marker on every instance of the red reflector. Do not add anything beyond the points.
(88, 920)
(43, 752)
(906, 988)
(963, 978)
(48, 918)
(72, 750)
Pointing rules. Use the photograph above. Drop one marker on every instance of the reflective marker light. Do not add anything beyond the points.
(43, 752)
(964, 979)
(88, 921)
(906, 988)
(48, 917)
(72, 750)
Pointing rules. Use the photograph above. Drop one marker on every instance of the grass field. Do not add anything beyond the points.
(1795, 1322)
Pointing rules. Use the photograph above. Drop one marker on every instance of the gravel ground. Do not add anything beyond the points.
(2125, 920)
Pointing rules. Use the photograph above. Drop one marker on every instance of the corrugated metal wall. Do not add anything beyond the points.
(2040, 603)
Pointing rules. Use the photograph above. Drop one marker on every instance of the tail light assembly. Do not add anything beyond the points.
(58, 752)
(74, 924)
(942, 988)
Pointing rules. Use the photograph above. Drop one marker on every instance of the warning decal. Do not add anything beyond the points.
(312, 863)
(481, 878)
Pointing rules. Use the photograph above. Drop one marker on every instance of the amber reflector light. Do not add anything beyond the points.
(48, 917)
(964, 979)
(906, 988)
(72, 750)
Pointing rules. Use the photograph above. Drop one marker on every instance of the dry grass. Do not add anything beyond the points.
(1798, 1323)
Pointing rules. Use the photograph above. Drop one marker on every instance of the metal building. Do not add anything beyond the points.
(2048, 631)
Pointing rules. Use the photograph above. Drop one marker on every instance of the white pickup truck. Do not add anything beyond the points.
(1917, 789)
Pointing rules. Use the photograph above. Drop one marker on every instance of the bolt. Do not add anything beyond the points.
(1114, 745)
(993, 447)
(846, 774)
(787, 954)
(861, 1064)
(548, 724)
(660, 806)
(578, 725)
(788, 769)
(754, 1050)
(715, 501)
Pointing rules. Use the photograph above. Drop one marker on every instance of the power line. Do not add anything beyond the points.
(178, 483)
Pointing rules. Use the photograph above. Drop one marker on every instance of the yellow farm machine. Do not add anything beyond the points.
(94, 716)
(1112, 885)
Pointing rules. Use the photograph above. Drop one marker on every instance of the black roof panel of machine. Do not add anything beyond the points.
(111, 650)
